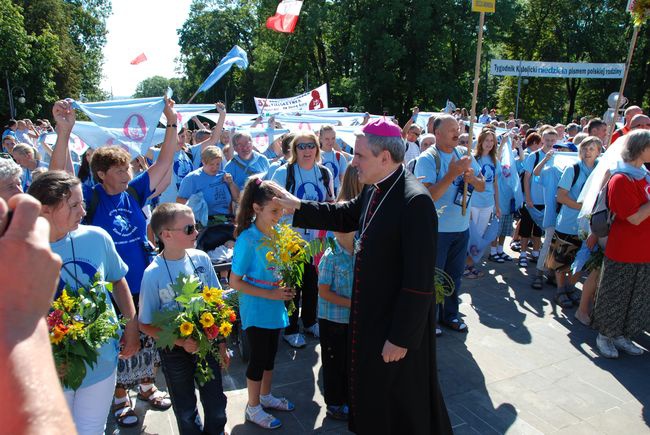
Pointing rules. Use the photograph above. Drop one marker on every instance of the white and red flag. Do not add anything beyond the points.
(139, 59)
(286, 16)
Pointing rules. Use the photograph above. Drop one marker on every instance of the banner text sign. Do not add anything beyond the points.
(561, 70)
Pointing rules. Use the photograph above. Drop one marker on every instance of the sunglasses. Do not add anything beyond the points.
(187, 229)
(306, 146)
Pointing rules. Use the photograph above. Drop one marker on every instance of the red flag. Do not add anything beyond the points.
(139, 59)
(286, 16)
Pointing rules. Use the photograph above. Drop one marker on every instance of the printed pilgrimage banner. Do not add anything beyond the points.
(312, 100)
(561, 70)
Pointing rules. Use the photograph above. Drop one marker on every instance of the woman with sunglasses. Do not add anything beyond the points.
(307, 179)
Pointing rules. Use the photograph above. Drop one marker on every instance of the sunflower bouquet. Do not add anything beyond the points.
(288, 253)
(79, 323)
(203, 315)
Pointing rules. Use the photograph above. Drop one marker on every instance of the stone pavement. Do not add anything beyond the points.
(525, 367)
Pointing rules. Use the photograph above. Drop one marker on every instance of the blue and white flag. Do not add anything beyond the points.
(236, 56)
(185, 112)
(478, 242)
(131, 123)
(95, 137)
(509, 174)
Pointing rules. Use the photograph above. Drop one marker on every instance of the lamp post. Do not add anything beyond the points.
(11, 94)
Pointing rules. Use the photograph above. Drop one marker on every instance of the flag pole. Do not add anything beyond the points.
(477, 71)
(286, 47)
(612, 127)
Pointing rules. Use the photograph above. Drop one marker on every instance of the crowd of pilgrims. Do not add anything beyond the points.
(132, 222)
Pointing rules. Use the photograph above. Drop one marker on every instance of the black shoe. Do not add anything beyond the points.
(341, 413)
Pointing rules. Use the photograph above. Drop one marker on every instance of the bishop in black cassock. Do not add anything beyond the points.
(392, 351)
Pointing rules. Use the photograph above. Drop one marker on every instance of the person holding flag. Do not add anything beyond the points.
(115, 204)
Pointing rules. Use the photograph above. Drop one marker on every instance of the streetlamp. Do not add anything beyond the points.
(11, 94)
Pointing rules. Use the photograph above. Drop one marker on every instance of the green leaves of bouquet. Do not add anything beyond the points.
(202, 315)
(79, 323)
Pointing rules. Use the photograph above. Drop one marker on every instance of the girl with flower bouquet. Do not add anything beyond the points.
(88, 255)
(175, 231)
(261, 299)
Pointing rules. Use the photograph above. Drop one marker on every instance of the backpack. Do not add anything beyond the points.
(434, 152)
(325, 178)
(94, 202)
(601, 216)
(576, 174)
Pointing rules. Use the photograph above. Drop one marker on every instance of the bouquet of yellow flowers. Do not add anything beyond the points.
(288, 254)
(79, 323)
(202, 315)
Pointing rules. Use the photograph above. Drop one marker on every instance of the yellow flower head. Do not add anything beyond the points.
(76, 329)
(269, 257)
(211, 295)
(57, 334)
(207, 320)
(186, 329)
(285, 257)
(225, 329)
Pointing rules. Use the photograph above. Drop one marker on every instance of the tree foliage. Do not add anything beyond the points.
(393, 54)
(50, 49)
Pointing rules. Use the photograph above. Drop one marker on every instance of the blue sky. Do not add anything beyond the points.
(138, 26)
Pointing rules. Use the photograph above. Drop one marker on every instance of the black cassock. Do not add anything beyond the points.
(392, 299)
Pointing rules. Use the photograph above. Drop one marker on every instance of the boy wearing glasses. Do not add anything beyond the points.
(175, 232)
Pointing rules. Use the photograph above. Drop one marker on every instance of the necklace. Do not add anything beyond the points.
(171, 280)
(364, 226)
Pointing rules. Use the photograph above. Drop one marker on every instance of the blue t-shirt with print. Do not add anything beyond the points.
(536, 189)
(156, 293)
(450, 219)
(241, 170)
(86, 252)
(308, 186)
(489, 171)
(336, 269)
(337, 164)
(180, 168)
(567, 218)
(122, 217)
(215, 190)
(249, 262)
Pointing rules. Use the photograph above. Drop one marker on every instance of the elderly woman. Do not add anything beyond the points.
(25, 155)
(307, 179)
(217, 186)
(115, 204)
(10, 182)
(622, 307)
(566, 240)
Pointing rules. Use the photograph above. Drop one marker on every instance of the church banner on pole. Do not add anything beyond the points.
(312, 100)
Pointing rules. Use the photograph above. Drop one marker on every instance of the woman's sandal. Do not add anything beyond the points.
(156, 398)
(122, 412)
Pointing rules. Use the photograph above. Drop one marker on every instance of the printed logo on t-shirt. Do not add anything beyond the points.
(488, 172)
(182, 167)
(121, 225)
(333, 167)
(76, 273)
(458, 181)
(310, 192)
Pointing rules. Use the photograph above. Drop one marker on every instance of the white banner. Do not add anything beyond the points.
(312, 100)
(562, 70)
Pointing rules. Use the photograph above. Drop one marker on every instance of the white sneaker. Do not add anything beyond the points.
(606, 346)
(261, 418)
(295, 340)
(313, 330)
(626, 345)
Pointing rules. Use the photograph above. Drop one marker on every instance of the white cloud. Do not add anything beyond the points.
(138, 26)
